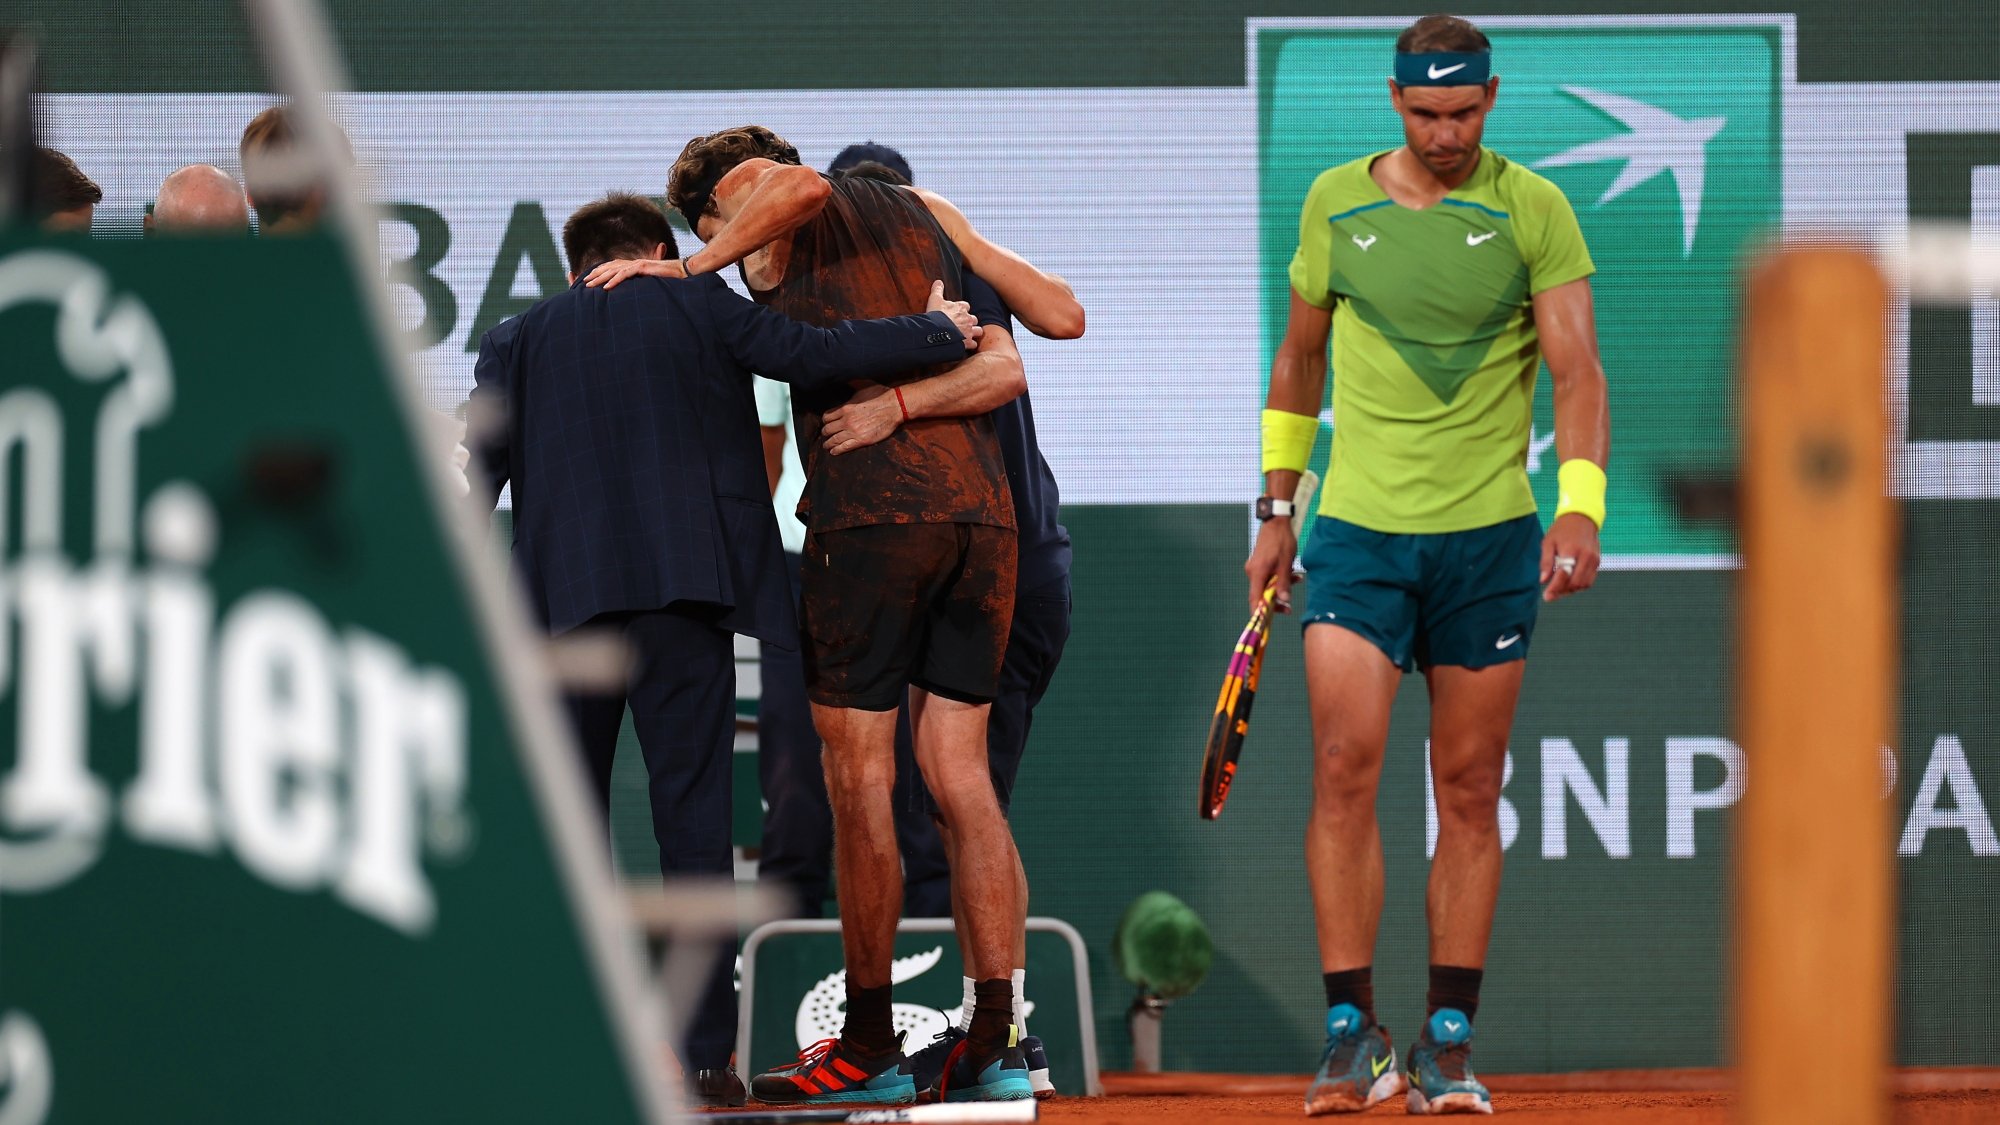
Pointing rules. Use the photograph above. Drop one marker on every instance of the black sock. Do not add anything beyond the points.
(871, 1026)
(1454, 987)
(992, 1015)
(1352, 986)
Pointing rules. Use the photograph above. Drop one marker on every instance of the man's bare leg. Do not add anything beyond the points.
(986, 875)
(950, 739)
(867, 1061)
(860, 763)
(959, 907)
(1351, 685)
(1472, 710)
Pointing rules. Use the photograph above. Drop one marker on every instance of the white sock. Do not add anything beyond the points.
(1020, 1003)
(965, 1012)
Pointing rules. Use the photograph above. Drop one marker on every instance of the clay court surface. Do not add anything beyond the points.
(1933, 1097)
(1618, 1108)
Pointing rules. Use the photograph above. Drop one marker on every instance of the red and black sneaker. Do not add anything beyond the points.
(830, 1072)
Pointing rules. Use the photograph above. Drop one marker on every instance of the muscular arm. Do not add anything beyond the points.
(775, 199)
(1566, 322)
(991, 378)
(1042, 301)
(1298, 385)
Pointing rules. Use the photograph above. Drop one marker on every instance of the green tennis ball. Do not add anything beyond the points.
(1162, 945)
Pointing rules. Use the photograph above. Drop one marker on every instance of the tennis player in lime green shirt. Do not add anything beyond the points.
(1445, 275)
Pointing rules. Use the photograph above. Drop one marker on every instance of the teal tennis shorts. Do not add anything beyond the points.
(1461, 598)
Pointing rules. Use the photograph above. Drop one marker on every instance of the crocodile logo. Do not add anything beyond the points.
(824, 1007)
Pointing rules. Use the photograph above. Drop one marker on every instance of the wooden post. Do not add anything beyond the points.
(1814, 898)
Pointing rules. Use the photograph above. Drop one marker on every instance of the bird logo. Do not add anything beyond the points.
(1657, 142)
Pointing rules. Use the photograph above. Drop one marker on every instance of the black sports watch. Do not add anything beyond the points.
(1270, 508)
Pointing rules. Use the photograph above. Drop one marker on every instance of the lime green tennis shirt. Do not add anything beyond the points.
(1434, 344)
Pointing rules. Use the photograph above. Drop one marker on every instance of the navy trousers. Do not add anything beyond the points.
(796, 851)
(681, 691)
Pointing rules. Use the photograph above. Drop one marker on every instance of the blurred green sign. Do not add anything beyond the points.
(270, 845)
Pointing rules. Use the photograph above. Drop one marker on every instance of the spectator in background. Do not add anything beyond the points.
(283, 195)
(288, 201)
(65, 197)
(199, 199)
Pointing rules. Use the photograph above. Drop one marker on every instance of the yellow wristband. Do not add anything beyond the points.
(1288, 440)
(1580, 489)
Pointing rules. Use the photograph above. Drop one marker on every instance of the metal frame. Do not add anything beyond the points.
(1093, 1085)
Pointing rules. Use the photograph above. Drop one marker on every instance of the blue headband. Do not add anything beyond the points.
(1444, 68)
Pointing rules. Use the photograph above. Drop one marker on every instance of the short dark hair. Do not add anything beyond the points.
(268, 142)
(619, 225)
(1441, 33)
(868, 152)
(60, 185)
(705, 160)
(873, 170)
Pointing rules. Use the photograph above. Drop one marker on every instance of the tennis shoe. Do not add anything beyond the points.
(1038, 1067)
(1441, 1078)
(1358, 1068)
(832, 1073)
(999, 1077)
(928, 1063)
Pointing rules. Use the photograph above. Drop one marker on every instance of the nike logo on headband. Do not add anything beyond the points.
(1436, 73)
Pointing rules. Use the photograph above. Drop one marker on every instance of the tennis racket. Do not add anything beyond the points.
(1239, 684)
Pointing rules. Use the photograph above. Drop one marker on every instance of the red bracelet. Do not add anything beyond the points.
(904, 406)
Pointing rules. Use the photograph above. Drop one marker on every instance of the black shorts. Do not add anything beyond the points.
(907, 604)
(1034, 647)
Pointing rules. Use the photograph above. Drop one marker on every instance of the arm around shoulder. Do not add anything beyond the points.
(767, 342)
(1043, 301)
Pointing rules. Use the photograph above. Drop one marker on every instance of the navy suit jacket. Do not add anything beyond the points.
(625, 421)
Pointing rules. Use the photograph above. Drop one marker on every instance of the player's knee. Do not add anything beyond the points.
(965, 795)
(1468, 797)
(851, 769)
(1345, 772)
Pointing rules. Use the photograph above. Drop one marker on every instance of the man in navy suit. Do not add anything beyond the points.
(625, 422)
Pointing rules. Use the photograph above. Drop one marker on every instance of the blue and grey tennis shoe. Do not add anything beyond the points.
(1441, 1078)
(1358, 1069)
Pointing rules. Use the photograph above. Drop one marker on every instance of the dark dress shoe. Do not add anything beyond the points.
(719, 1088)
